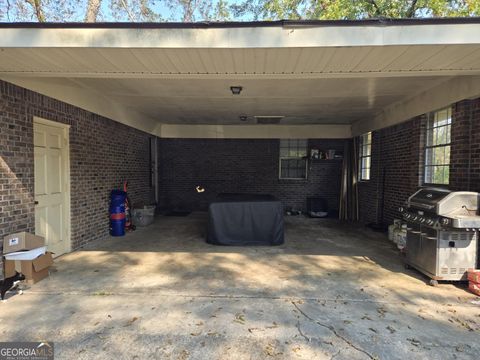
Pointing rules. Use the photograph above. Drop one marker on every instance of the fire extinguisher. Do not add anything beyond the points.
(128, 210)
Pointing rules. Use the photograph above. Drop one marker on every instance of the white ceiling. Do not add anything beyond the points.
(301, 101)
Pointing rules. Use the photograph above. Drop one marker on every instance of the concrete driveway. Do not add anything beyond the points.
(162, 293)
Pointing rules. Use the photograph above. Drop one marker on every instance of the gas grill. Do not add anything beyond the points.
(442, 232)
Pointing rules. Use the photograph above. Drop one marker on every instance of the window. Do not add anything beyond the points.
(437, 147)
(365, 156)
(293, 159)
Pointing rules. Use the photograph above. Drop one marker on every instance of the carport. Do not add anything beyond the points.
(172, 107)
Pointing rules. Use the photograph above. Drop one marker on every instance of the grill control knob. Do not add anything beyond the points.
(401, 209)
(430, 222)
(445, 221)
(422, 220)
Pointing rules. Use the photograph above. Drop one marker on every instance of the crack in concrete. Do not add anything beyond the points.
(335, 355)
(335, 332)
(301, 333)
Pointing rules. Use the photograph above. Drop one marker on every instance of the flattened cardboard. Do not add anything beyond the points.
(21, 241)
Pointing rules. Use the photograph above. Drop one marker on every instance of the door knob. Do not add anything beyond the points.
(36, 202)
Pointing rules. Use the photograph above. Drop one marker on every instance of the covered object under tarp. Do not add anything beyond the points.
(245, 219)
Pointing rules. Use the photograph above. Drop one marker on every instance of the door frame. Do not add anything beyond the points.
(66, 168)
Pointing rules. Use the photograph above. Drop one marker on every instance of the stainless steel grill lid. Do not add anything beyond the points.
(427, 198)
(438, 208)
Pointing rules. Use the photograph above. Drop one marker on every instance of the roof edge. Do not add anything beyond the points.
(244, 24)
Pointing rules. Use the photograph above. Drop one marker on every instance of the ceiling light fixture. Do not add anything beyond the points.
(243, 117)
(236, 90)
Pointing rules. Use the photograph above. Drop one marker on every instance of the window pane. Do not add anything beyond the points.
(441, 135)
(438, 156)
(437, 152)
(429, 156)
(293, 161)
(428, 174)
(293, 168)
(446, 176)
(442, 117)
(448, 129)
(364, 153)
(437, 174)
(447, 154)
(367, 174)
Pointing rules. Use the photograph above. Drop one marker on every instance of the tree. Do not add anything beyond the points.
(222, 10)
(93, 7)
(362, 9)
(195, 10)
(37, 8)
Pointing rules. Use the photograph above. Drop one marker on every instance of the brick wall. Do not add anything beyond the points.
(397, 152)
(248, 166)
(102, 154)
(474, 172)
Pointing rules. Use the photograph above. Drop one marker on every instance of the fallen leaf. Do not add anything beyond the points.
(131, 321)
(414, 341)
(239, 318)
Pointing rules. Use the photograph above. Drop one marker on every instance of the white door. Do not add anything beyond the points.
(52, 213)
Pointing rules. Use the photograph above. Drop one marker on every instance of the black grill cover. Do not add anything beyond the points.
(245, 219)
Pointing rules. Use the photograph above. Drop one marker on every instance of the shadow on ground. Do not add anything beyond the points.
(161, 292)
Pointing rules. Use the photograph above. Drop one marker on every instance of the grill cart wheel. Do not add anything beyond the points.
(433, 282)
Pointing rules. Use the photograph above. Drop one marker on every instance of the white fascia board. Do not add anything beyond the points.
(254, 131)
(248, 37)
(438, 97)
(88, 100)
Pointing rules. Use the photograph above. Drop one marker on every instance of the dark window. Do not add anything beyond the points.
(293, 159)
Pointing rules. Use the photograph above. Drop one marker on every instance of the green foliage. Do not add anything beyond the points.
(364, 9)
(228, 10)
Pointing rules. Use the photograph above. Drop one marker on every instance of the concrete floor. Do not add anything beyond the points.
(332, 291)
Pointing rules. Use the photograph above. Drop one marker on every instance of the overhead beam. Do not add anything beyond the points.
(90, 100)
(254, 131)
(244, 37)
(440, 96)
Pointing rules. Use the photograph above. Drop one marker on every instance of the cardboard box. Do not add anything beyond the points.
(474, 275)
(34, 270)
(21, 241)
